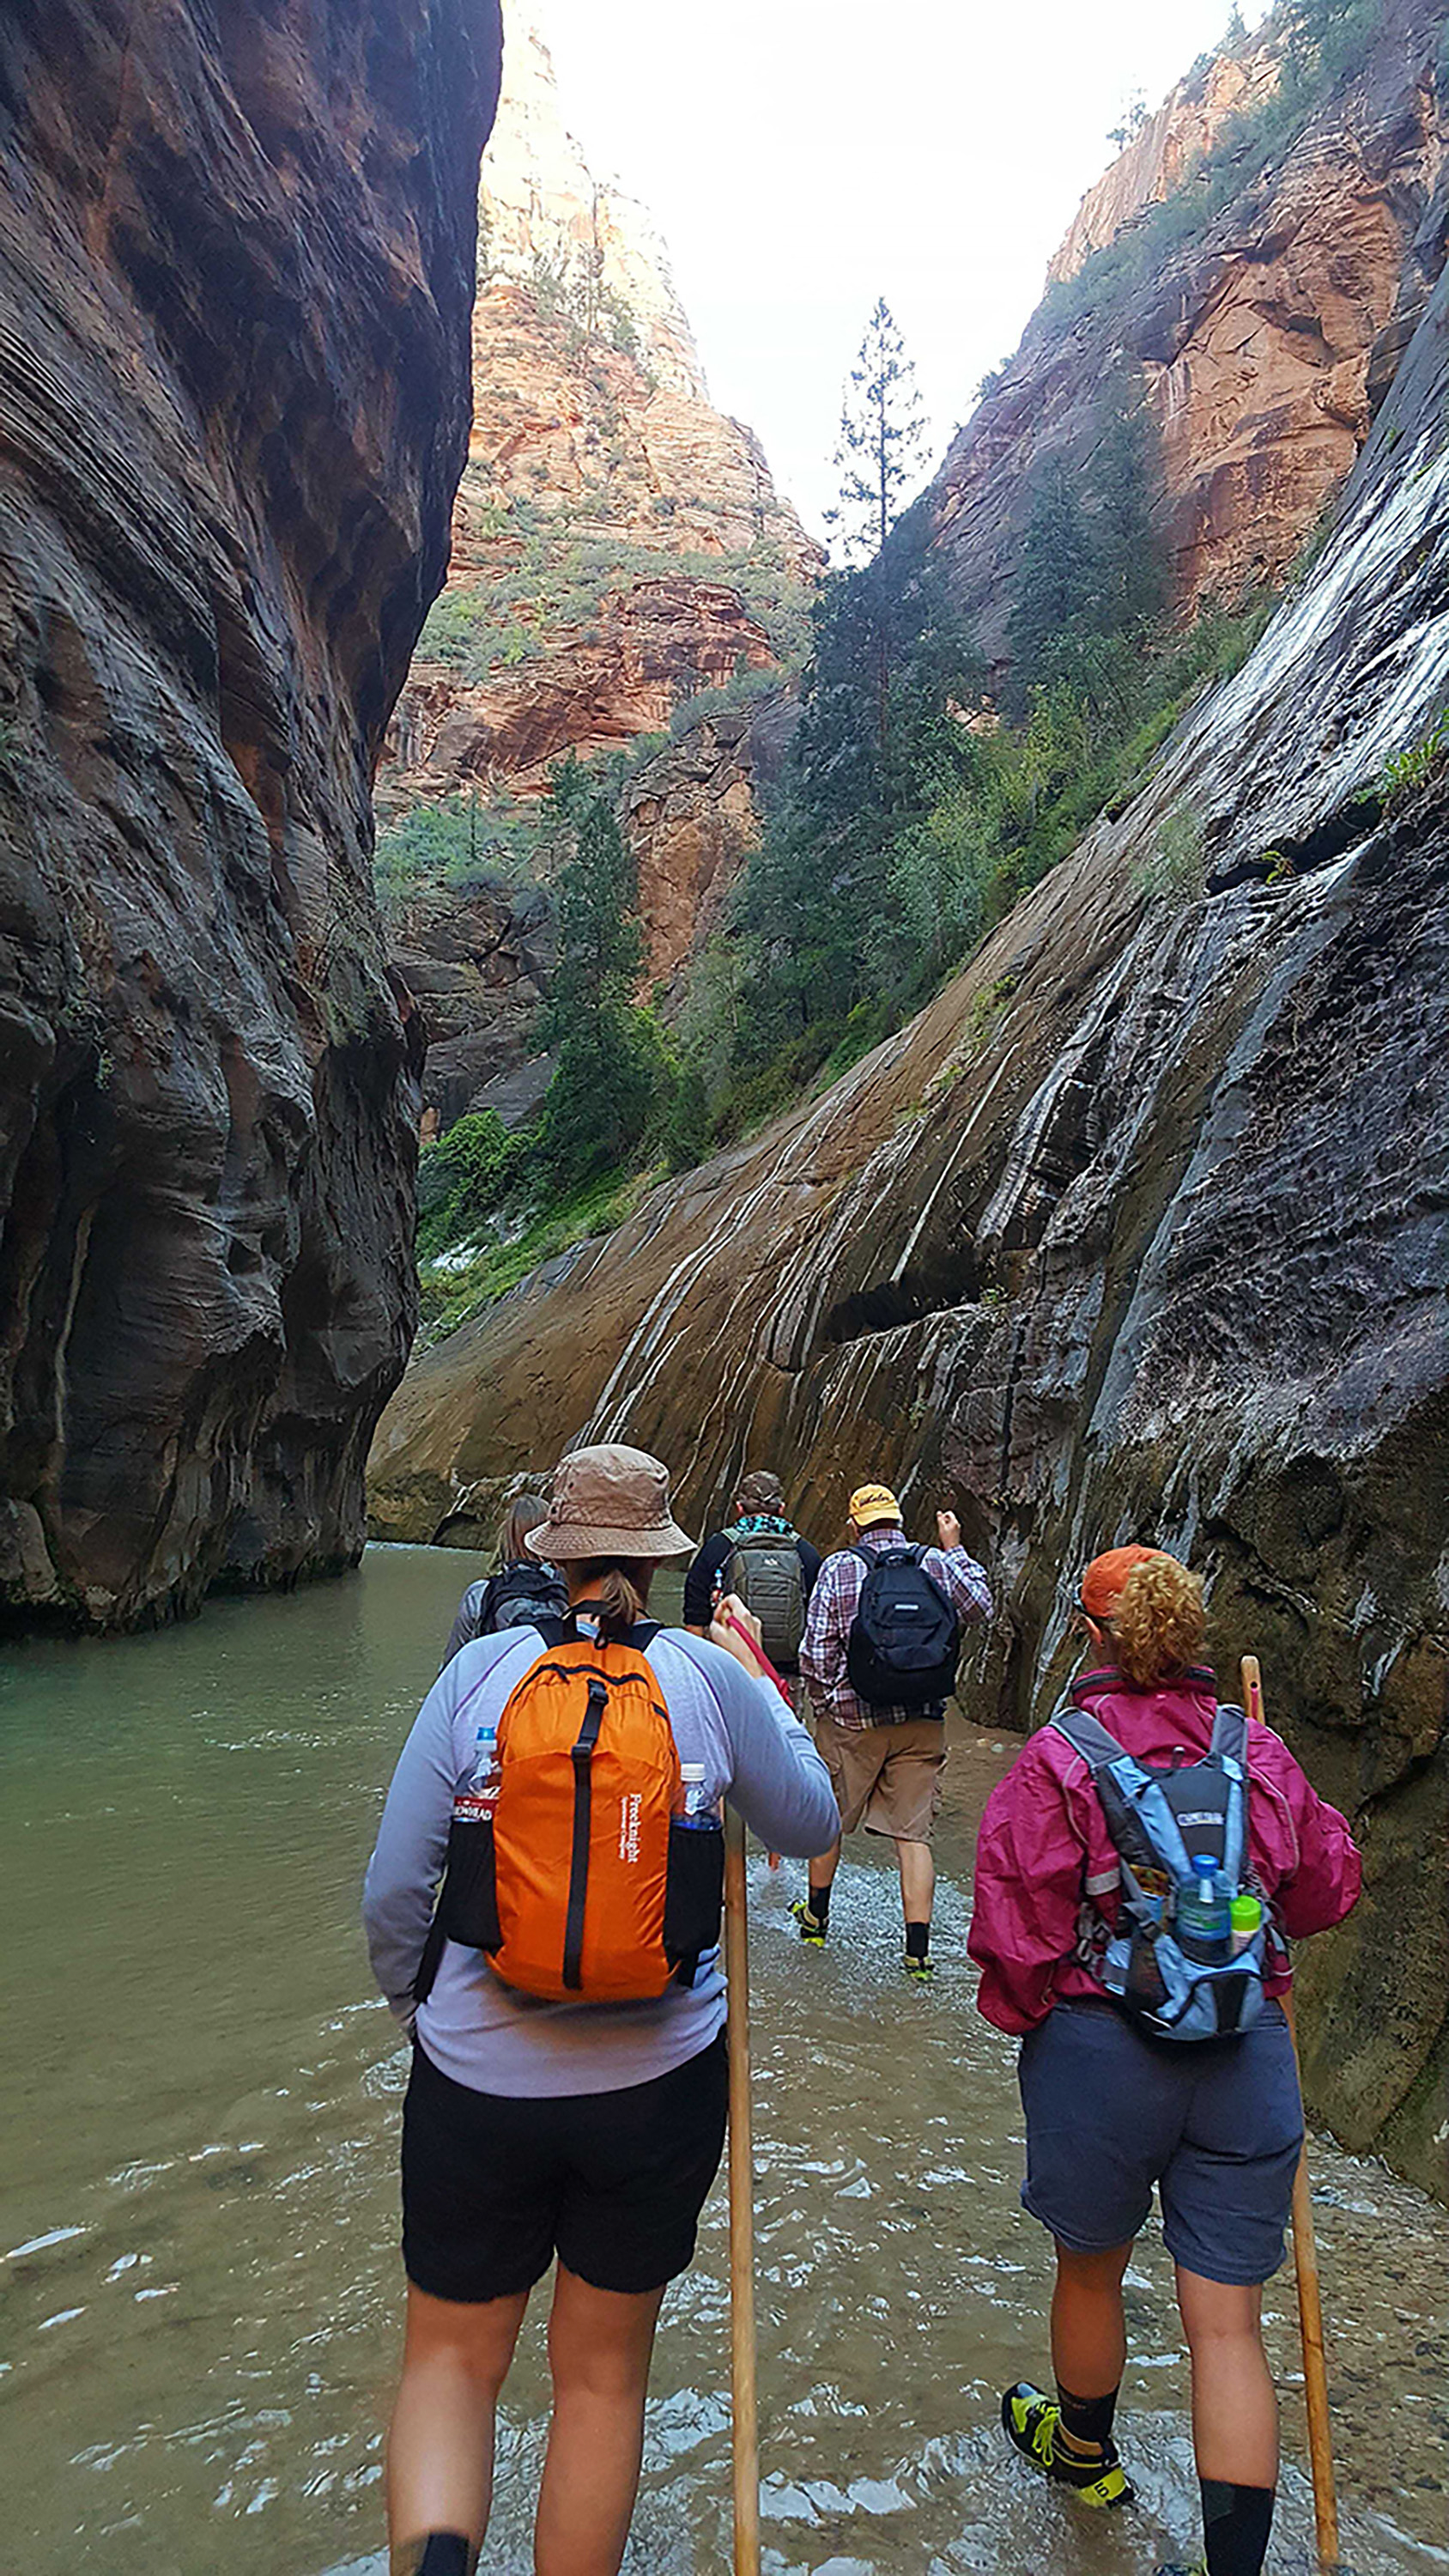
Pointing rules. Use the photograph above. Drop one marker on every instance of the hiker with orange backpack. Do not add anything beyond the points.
(566, 2006)
(1139, 1872)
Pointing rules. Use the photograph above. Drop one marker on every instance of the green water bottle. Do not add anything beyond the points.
(1246, 1915)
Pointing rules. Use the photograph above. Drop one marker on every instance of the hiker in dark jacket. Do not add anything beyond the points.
(521, 1591)
(746, 1559)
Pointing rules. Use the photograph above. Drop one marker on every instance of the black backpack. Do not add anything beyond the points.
(905, 1636)
(520, 1597)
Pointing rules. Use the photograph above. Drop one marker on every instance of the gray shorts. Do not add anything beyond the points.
(1216, 2124)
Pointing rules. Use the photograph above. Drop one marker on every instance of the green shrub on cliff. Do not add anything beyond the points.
(1322, 43)
(618, 1098)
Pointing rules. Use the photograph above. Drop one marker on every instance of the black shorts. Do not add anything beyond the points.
(613, 2183)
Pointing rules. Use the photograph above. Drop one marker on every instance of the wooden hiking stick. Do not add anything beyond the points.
(1305, 2264)
(745, 2421)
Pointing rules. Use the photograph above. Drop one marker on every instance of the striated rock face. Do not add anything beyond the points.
(1138, 1231)
(236, 267)
(618, 543)
(693, 814)
(1164, 151)
(1262, 342)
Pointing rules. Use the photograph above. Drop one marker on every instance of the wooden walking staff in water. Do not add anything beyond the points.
(1305, 2264)
(742, 2168)
(742, 2208)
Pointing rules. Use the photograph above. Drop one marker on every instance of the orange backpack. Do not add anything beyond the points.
(582, 1887)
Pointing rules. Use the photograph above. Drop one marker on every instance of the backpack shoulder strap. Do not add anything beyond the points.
(1088, 1736)
(1230, 1733)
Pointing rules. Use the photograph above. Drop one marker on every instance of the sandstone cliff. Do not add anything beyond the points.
(237, 255)
(1136, 1231)
(1262, 336)
(618, 543)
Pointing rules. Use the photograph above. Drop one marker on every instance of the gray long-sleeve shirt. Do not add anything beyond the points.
(472, 2026)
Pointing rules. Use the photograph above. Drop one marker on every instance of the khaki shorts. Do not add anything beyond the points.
(886, 1777)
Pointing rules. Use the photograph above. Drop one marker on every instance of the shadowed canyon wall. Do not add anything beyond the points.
(236, 272)
(1137, 1231)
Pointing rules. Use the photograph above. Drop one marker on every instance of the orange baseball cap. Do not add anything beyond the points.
(1101, 1585)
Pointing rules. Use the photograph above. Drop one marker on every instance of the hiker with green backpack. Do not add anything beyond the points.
(762, 1559)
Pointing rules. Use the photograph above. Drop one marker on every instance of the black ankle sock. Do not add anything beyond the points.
(447, 2553)
(1236, 2522)
(918, 1940)
(1087, 2419)
(818, 1901)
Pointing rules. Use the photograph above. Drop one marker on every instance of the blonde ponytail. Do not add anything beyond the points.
(619, 1589)
(1158, 1622)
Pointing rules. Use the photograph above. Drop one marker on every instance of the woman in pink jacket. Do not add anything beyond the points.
(1215, 2123)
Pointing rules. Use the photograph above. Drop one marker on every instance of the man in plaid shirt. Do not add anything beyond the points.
(885, 1764)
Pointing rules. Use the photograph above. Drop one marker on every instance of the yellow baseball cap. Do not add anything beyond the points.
(872, 1503)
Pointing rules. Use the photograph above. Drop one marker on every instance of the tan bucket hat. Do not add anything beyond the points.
(608, 1501)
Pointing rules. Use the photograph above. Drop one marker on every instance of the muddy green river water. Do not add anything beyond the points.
(198, 2208)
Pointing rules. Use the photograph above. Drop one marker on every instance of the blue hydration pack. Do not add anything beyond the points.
(1172, 1961)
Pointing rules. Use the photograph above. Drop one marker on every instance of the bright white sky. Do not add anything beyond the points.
(802, 157)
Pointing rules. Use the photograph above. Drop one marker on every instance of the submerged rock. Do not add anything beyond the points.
(237, 260)
(1137, 1231)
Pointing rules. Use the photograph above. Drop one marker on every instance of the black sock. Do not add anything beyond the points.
(918, 1940)
(443, 2553)
(1236, 2522)
(818, 1901)
(1087, 2419)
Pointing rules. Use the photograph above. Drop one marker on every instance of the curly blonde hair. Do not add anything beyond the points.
(1158, 1622)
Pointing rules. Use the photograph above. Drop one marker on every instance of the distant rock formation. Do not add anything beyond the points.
(236, 271)
(618, 547)
(1263, 339)
(1137, 1231)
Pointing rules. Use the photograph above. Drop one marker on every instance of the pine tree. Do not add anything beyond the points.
(608, 1067)
(882, 438)
(1124, 476)
(1057, 579)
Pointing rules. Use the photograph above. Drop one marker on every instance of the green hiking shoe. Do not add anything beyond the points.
(811, 1927)
(923, 1970)
(1030, 2422)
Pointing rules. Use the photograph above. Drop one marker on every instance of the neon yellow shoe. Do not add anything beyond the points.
(1030, 2420)
(811, 1927)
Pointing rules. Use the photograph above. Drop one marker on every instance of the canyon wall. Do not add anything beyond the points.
(618, 549)
(237, 254)
(1261, 337)
(1136, 1232)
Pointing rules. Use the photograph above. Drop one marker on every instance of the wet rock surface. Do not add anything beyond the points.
(237, 259)
(1137, 1231)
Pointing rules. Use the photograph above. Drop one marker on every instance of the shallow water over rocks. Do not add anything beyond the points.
(201, 2283)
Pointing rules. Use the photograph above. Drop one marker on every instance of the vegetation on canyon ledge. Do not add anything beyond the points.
(923, 794)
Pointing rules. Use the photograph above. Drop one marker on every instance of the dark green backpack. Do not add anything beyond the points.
(764, 1568)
